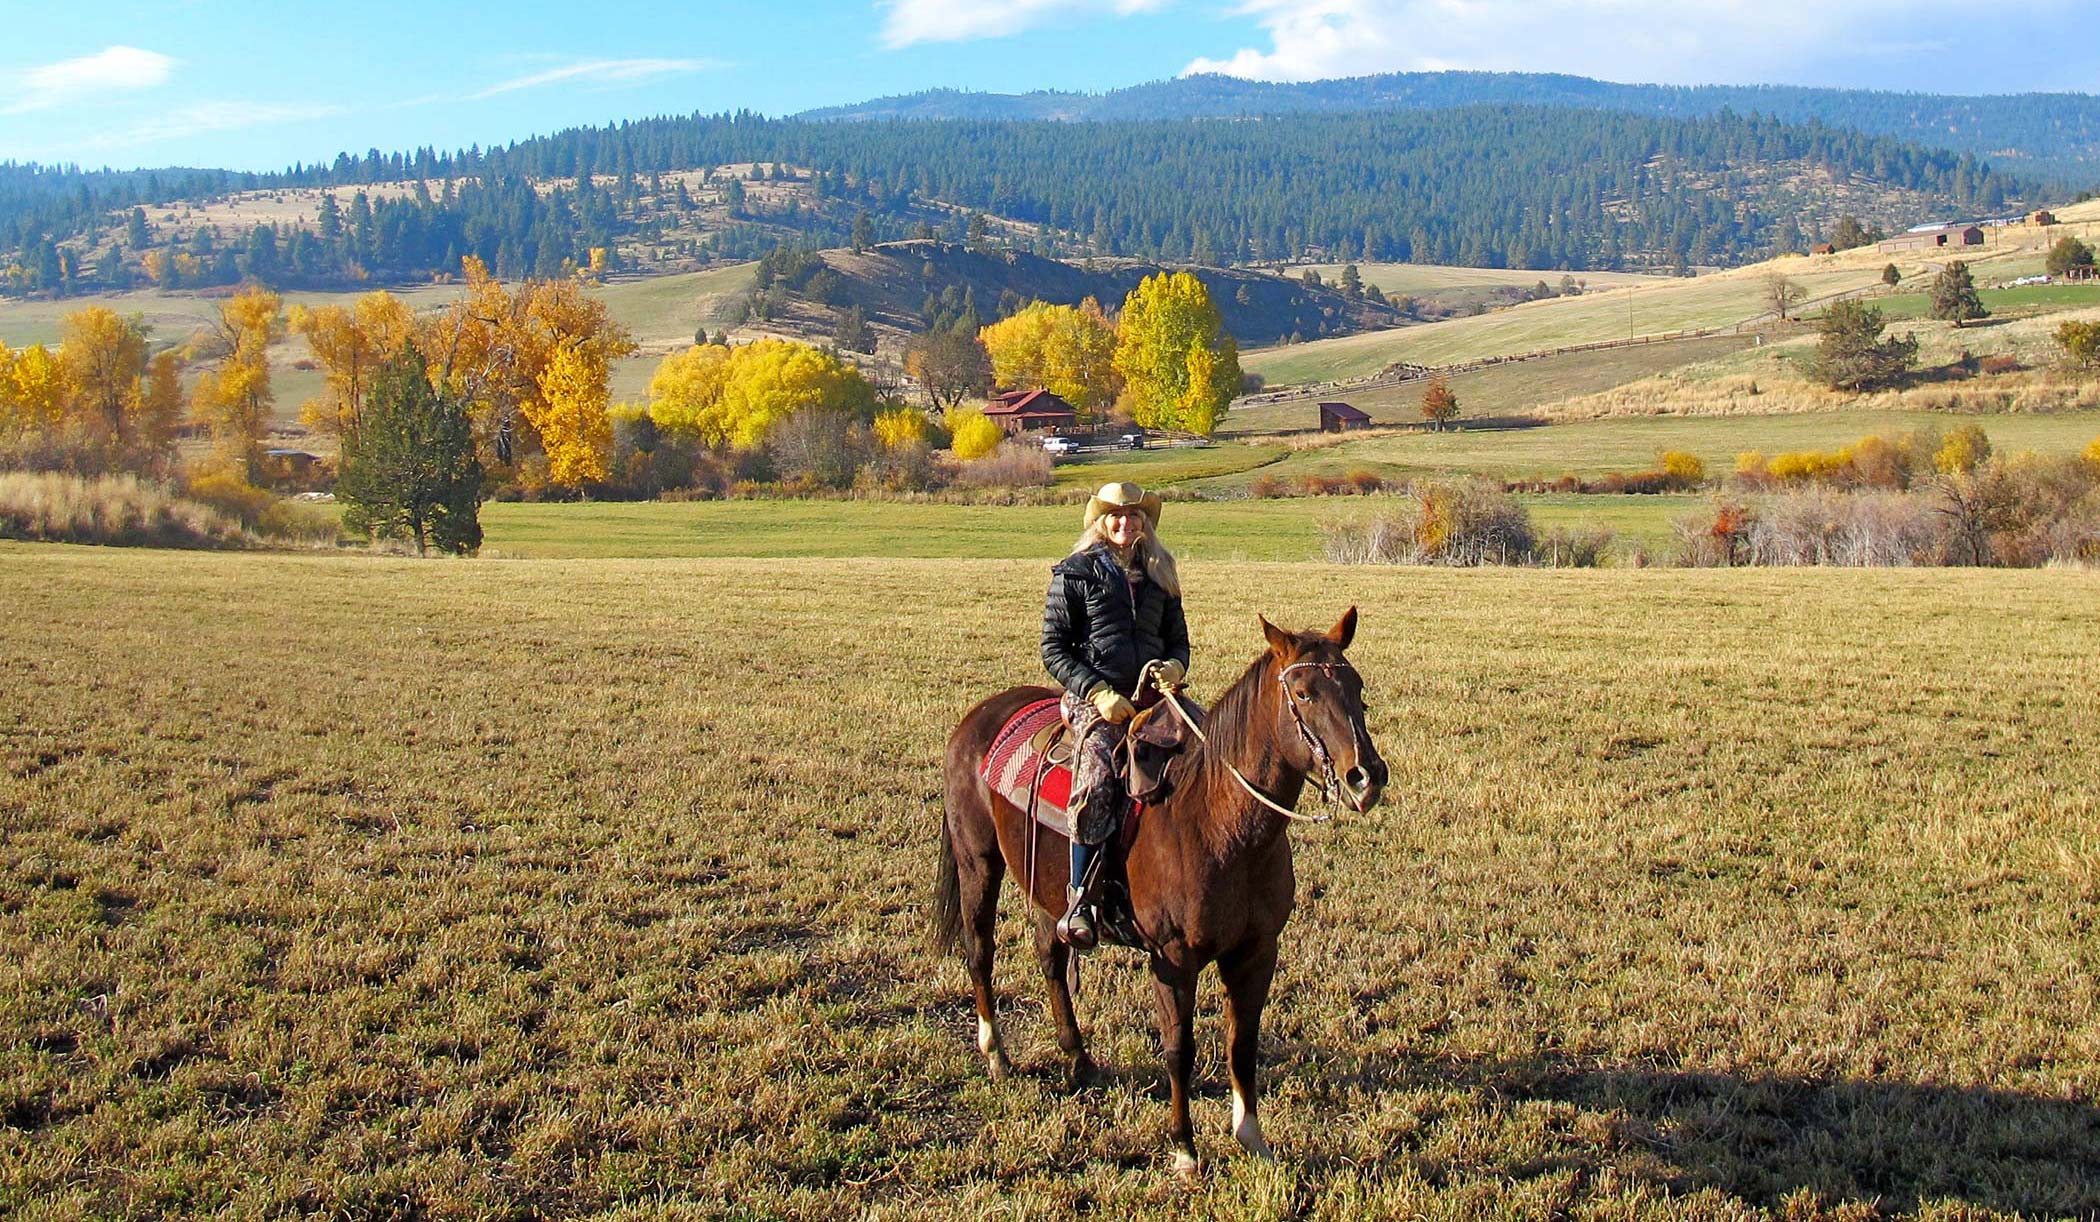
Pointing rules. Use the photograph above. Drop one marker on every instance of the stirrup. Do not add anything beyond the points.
(1076, 928)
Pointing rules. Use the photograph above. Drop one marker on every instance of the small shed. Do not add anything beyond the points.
(1340, 417)
(2041, 217)
(1823, 248)
(1021, 411)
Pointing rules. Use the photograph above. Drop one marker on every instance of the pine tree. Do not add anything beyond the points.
(1853, 356)
(1954, 296)
(408, 469)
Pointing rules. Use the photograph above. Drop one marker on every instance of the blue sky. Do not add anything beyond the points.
(239, 83)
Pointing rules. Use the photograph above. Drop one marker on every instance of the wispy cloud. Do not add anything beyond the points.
(1671, 41)
(198, 118)
(111, 70)
(601, 71)
(916, 21)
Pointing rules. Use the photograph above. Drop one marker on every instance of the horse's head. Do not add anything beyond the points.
(1322, 697)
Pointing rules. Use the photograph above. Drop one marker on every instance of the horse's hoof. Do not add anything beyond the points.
(999, 1067)
(1185, 1165)
(1082, 1072)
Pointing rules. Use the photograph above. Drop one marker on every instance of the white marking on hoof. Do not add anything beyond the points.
(995, 1062)
(1246, 1128)
(1185, 1164)
(987, 1037)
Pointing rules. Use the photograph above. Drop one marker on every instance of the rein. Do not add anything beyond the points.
(1330, 784)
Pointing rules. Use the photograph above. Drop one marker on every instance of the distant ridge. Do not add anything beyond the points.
(2049, 135)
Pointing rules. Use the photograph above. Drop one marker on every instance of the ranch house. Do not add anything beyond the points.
(1021, 411)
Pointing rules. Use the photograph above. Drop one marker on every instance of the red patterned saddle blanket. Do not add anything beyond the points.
(1030, 755)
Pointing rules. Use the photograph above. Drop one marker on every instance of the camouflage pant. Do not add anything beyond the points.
(1090, 813)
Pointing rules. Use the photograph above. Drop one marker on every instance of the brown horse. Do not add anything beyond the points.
(1209, 870)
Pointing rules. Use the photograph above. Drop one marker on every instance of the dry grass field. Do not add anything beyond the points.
(371, 888)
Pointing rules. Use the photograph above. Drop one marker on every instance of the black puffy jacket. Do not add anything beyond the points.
(1096, 630)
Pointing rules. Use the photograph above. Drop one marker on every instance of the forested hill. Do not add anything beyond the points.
(2046, 135)
(1524, 187)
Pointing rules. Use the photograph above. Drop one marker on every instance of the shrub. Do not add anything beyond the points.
(1681, 469)
(973, 434)
(1014, 464)
(2080, 342)
(231, 494)
(114, 510)
(909, 467)
(1962, 451)
(1325, 485)
(901, 427)
(1822, 526)
(1365, 482)
(1714, 536)
(819, 448)
(1583, 547)
(1999, 364)
(1457, 522)
(1268, 487)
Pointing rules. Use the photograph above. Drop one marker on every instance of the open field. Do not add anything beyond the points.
(1427, 279)
(1498, 390)
(1163, 467)
(1595, 447)
(2019, 302)
(366, 887)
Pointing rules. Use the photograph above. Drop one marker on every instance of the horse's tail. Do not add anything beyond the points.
(945, 919)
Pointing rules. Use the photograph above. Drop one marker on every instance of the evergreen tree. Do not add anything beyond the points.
(1954, 296)
(2067, 254)
(409, 469)
(1853, 356)
(1891, 275)
(853, 333)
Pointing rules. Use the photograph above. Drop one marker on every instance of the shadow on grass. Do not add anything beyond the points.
(1899, 1145)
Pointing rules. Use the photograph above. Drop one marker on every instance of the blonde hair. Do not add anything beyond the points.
(1153, 555)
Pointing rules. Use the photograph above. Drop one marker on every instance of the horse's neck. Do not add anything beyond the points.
(1229, 820)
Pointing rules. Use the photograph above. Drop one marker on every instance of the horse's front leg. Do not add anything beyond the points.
(1247, 975)
(1175, 990)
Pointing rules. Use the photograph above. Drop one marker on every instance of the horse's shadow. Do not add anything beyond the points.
(1762, 1138)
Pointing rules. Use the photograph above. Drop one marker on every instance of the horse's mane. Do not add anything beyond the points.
(1230, 724)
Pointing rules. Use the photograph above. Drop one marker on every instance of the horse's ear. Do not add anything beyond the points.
(1280, 642)
(1344, 630)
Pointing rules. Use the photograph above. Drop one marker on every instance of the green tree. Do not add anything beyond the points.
(1849, 233)
(1853, 356)
(1352, 283)
(863, 231)
(1954, 297)
(408, 469)
(2081, 343)
(1180, 367)
(1891, 275)
(2068, 253)
(853, 332)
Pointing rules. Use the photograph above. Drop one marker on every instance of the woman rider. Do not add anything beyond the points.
(1114, 608)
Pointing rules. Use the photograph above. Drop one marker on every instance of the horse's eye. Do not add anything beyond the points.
(1304, 696)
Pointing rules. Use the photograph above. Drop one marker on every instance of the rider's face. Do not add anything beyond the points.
(1125, 527)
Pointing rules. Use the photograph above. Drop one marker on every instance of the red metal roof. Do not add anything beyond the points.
(1027, 403)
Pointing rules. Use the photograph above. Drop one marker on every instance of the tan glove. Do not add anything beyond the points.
(1114, 708)
(1170, 672)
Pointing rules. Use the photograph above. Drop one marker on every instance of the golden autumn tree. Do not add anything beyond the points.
(493, 346)
(569, 415)
(103, 360)
(160, 412)
(351, 345)
(1180, 367)
(736, 399)
(1067, 350)
(32, 392)
(234, 400)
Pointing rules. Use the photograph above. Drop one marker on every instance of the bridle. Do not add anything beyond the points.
(1330, 784)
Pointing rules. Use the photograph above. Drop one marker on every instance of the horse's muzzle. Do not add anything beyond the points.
(1363, 785)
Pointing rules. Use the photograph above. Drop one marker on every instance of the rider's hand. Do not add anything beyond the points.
(1170, 672)
(1114, 708)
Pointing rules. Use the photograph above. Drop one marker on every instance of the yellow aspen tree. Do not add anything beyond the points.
(686, 388)
(1018, 345)
(234, 400)
(900, 427)
(569, 413)
(104, 360)
(772, 379)
(350, 345)
(972, 434)
(160, 411)
(1168, 319)
(1067, 350)
(36, 386)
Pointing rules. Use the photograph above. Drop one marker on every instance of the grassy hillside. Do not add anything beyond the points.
(500, 889)
(1654, 306)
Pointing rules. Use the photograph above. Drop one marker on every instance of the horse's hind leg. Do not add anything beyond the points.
(1055, 956)
(981, 874)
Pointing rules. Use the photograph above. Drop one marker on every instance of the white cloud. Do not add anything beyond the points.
(916, 21)
(1667, 41)
(601, 71)
(197, 118)
(111, 70)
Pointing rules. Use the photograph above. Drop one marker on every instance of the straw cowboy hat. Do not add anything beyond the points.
(1123, 496)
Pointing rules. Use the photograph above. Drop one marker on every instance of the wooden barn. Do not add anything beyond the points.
(1823, 248)
(2041, 218)
(1342, 417)
(1021, 411)
(1935, 238)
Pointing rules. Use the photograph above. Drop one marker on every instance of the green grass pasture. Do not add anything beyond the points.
(2020, 302)
(1162, 468)
(354, 887)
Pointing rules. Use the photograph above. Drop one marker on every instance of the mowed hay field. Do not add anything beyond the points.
(493, 889)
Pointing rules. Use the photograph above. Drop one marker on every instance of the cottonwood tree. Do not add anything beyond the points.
(2066, 254)
(569, 414)
(234, 400)
(1067, 350)
(1179, 365)
(1954, 296)
(734, 397)
(1853, 356)
(408, 464)
(1783, 295)
(103, 360)
(350, 345)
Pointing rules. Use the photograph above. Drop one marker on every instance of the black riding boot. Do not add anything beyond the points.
(1077, 927)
